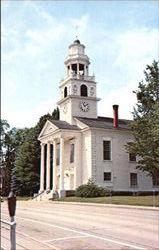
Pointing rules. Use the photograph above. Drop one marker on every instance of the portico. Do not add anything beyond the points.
(60, 160)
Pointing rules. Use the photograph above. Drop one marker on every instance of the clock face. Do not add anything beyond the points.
(65, 109)
(84, 106)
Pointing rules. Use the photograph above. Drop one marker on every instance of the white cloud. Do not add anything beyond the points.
(79, 25)
(27, 118)
(124, 97)
(137, 48)
(39, 12)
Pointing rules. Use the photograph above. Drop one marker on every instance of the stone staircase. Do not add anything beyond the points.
(45, 195)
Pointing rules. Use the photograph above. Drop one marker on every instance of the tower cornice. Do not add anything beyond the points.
(78, 97)
(78, 78)
(76, 57)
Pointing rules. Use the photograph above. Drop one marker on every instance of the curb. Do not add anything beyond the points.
(108, 205)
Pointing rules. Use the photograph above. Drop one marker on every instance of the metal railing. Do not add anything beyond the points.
(38, 195)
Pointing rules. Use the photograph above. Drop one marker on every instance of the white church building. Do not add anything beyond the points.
(83, 145)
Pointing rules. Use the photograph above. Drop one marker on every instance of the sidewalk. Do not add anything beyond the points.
(31, 243)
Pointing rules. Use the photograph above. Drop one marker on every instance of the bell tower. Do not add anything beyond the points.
(78, 88)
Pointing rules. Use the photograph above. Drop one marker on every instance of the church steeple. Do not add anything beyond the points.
(78, 88)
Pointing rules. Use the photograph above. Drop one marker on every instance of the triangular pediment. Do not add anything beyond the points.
(48, 129)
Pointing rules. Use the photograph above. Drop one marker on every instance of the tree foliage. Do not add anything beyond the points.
(90, 190)
(11, 140)
(28, 158)
(146, 122)
(22, 156)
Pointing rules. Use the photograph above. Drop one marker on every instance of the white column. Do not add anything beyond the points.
(77, 68)
(54, 166)
(70, 70)
(42, 168)
(61, 163)
(85, 70)
(77, 162)
(48, 167)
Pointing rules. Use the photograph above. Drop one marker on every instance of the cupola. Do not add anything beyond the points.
(77, 62)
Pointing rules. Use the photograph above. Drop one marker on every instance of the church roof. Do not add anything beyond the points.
(104, 122)
(64, 125)
(100, 122)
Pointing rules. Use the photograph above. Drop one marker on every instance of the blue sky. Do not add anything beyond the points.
(121, 38)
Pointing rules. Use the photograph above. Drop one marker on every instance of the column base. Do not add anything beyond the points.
(62, 193)
(55, 194)
(40, 191)
(48, 190)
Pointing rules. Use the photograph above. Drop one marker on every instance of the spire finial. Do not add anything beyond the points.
(76, 30)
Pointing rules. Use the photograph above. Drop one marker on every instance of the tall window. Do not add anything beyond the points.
(65, 91)
(83, 90)
(132, 157)
(107, 176)
(106, 150)
(72, 151)
(133, 179)
(57, 156)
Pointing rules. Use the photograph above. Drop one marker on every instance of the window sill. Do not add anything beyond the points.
(132, 161)
(107, 160)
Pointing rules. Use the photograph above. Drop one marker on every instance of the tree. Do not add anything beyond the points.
(4, 126)
(28, 158)
(145, 127)
(11, 139)
(56, 114)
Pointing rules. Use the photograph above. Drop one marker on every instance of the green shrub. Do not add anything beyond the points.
(90, 190)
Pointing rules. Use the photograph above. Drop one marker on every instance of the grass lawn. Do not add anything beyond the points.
(120, 200)
(19, 198)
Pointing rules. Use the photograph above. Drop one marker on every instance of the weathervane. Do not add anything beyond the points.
(76, 30)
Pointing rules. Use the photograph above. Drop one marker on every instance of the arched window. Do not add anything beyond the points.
(83, 90)
(65, 91)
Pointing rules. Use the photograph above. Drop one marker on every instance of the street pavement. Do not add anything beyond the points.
(53, 225)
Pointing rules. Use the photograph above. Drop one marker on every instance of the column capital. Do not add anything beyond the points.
(62, 137)
(42, 144)
(55, 139)
(54, 142)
